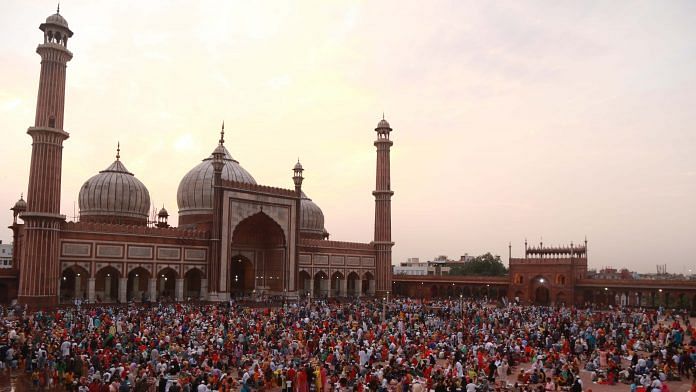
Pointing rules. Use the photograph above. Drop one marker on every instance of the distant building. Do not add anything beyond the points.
(5, 255)
(612, 273)
(440, 265)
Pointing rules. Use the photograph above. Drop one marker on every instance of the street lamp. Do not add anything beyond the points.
(384, 308)
(461, 304)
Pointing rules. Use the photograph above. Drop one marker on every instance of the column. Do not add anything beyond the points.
(179, 290)
(204, 289)
(311, 288)
(371, 287)
(342, 287)
(358, 287)
(90, 289)
(152, 289)
(123, 290)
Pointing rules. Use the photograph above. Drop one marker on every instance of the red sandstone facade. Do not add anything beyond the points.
(42, 220)
(552, 276)
(236, 237)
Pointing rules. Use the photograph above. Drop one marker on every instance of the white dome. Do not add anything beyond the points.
(57, 19)
(114, 195)
(195, 193)
(311, 218)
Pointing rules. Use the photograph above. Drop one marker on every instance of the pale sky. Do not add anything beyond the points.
(511, 120)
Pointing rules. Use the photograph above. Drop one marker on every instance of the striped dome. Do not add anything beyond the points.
(195, 193)
(311, 219)
(114, 195)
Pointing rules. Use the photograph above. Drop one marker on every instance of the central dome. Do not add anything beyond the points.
(195, 193)
(114, 196)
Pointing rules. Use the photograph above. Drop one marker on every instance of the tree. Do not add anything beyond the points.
(484, 265)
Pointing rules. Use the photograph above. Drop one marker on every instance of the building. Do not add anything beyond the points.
(235, 237)
(239, 238)
(556, 276)
(411, 267)
(548, 274)
(440, 265)
(5, 255)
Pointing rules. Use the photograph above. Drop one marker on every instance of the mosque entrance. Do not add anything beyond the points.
(262, 242)
(241, 276)
(541, 296)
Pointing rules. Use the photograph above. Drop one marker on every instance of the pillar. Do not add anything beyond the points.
(123, 290)
(204, 289)
(371, 287)
(91, 295)
(179, 290)
(358, 287)
(152, 289)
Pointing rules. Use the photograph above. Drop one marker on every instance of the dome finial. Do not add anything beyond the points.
(58, 10)
(118, 150)
(382, 114)
(222, 133)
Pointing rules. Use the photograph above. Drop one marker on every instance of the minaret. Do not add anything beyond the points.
(297, 178)
(383, 193)
(214, 266)
(40, 269)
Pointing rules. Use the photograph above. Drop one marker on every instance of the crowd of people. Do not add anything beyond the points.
(405, 345)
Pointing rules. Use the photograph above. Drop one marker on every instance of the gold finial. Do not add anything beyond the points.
(58, 10)
(118, 150)
(222, 133)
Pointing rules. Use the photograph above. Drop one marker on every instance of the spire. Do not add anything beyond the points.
(118, 150)
(222, 134)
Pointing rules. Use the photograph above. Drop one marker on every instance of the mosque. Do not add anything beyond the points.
(235, 237)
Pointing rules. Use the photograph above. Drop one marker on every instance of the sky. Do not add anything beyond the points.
(539, 120)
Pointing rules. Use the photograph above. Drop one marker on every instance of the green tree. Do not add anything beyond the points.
(484, 265)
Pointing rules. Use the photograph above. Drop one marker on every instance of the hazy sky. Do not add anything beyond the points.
(511, 119)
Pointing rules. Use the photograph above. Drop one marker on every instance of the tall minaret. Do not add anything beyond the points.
(214, 267)
(383, 194)
(40, 269)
